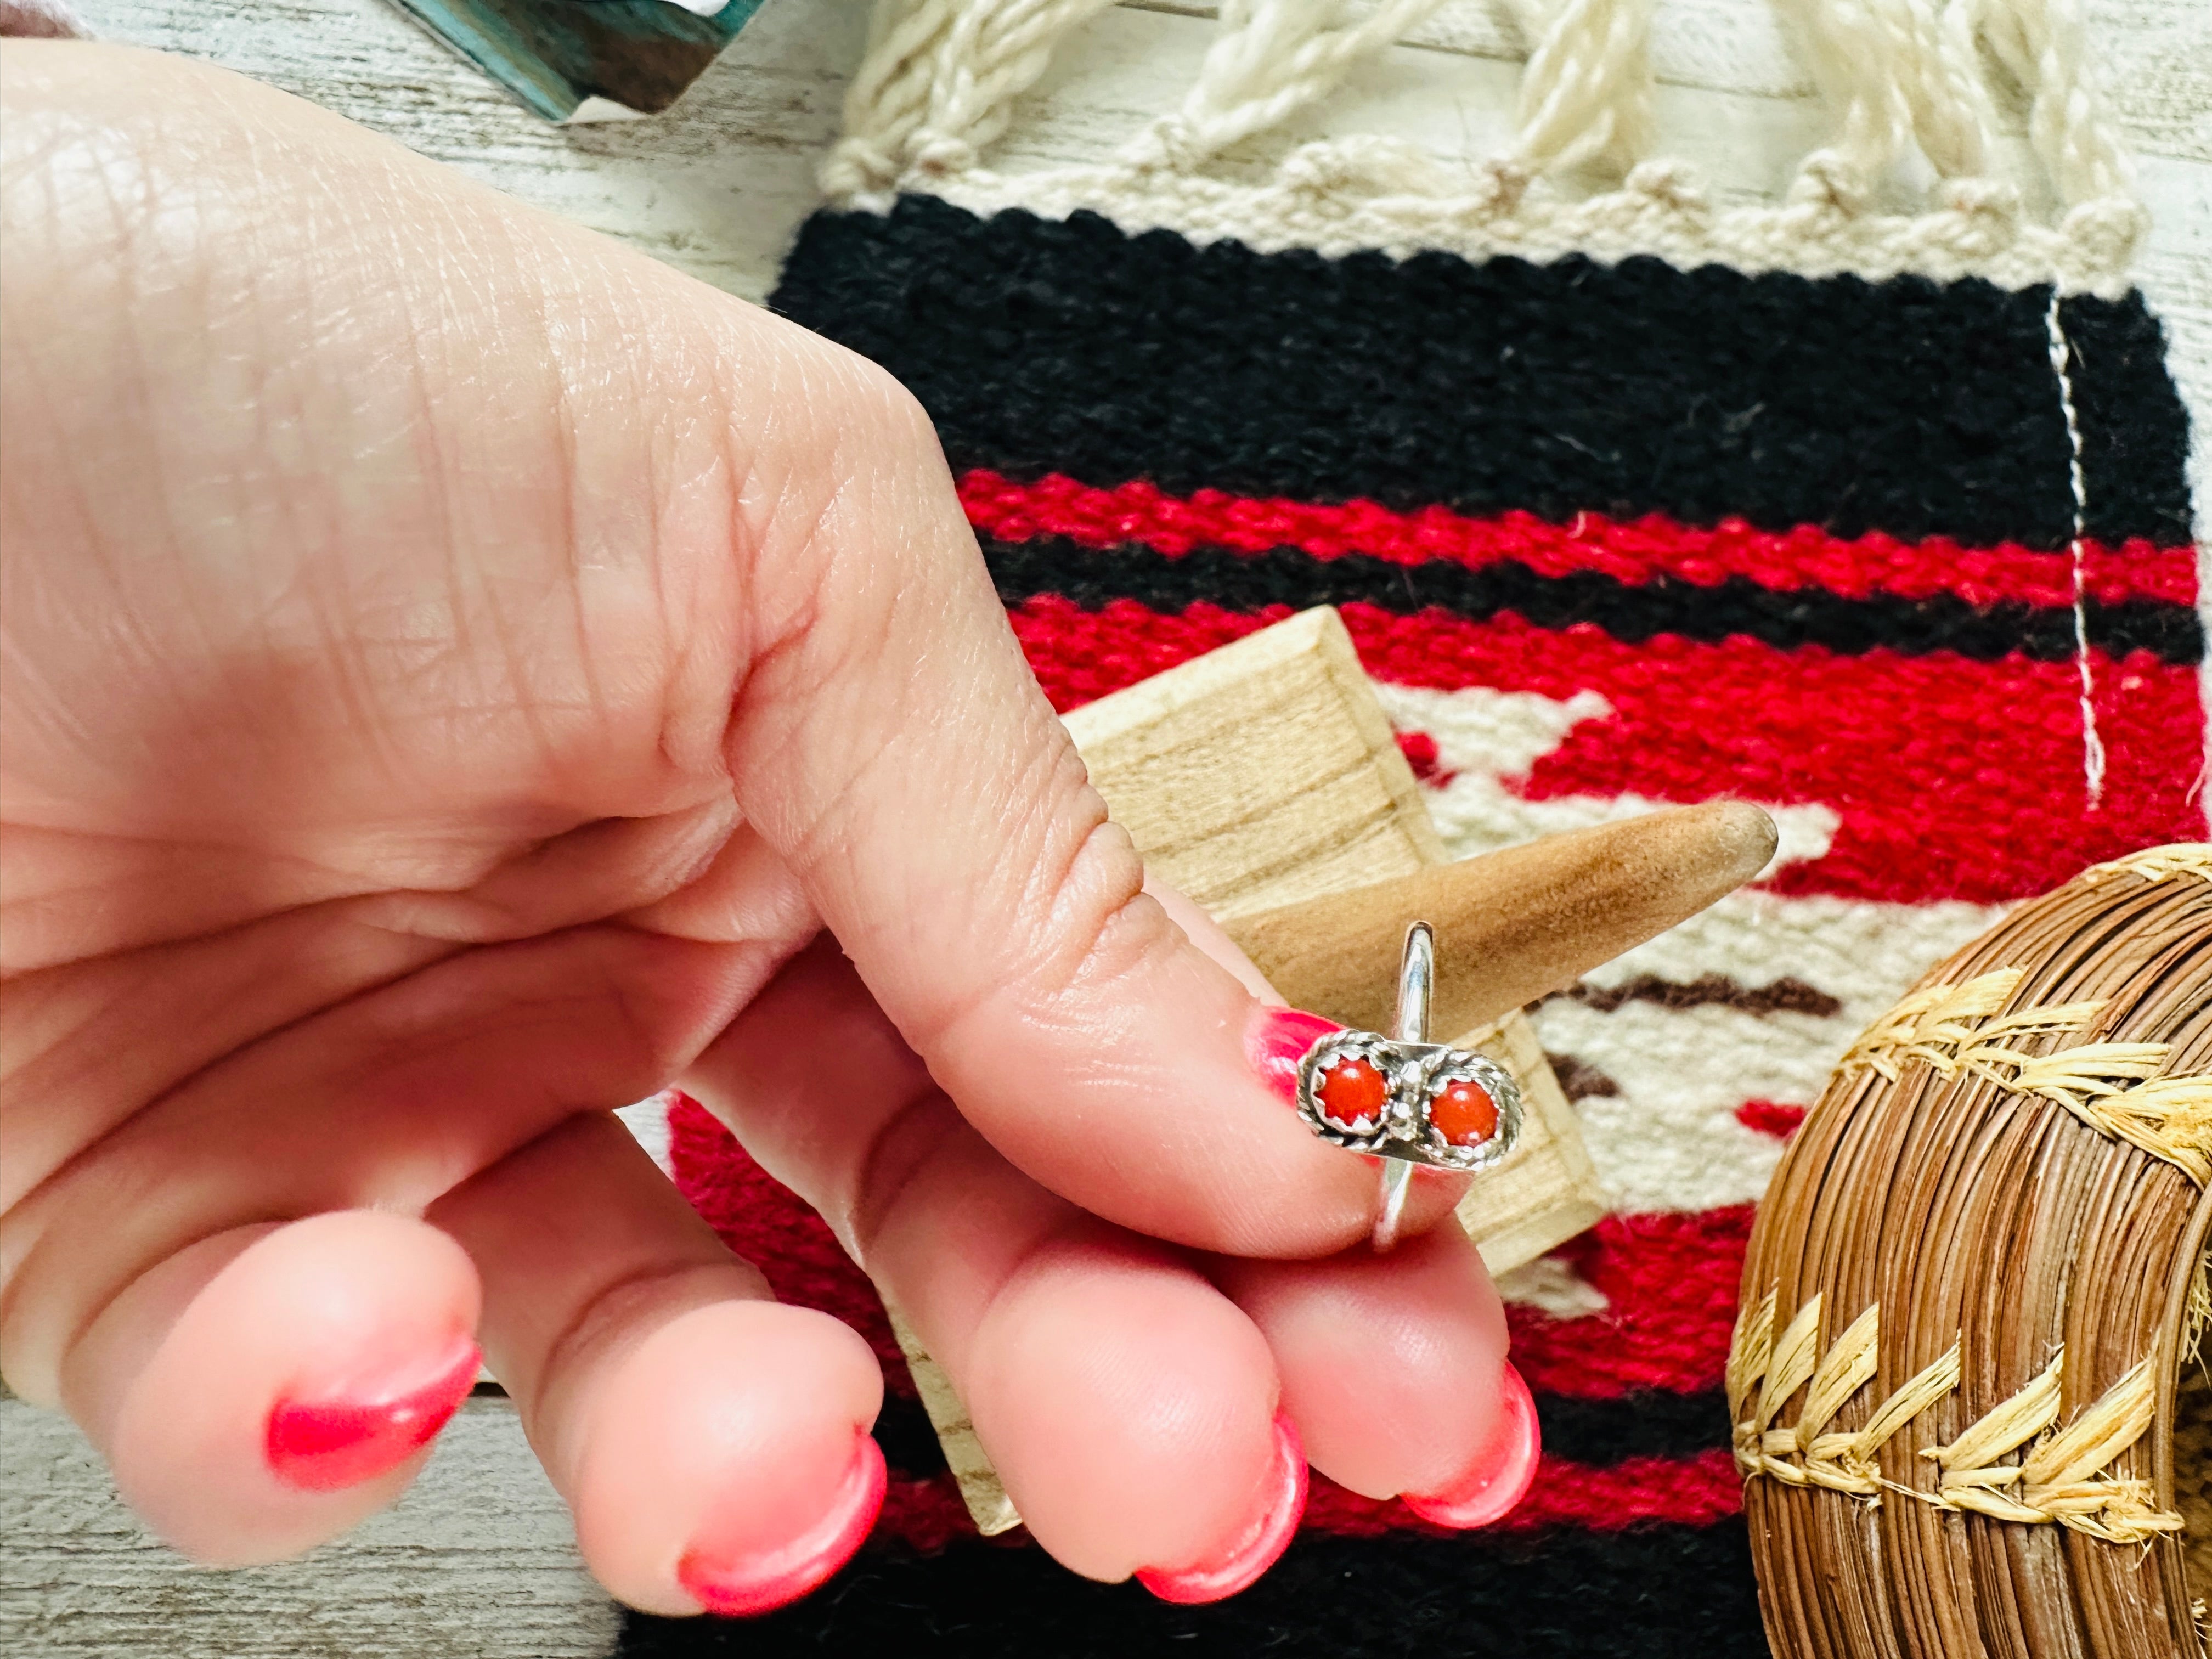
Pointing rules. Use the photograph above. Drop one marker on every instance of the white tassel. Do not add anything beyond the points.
(1586, 96)
(1880, 63)
(1271, 59)
(2042, 45)
(936, 85)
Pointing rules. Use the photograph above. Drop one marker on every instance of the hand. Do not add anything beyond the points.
(453, 668)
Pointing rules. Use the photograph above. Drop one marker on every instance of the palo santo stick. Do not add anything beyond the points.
(1510, 927)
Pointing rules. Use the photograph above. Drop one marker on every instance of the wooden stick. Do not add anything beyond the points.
(1512, 925)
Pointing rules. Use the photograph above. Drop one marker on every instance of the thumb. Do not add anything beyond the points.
(889, 741)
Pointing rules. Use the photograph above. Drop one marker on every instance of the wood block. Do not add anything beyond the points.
(1256, 776)
(1546, 1190)
(988, 1506)
(1260, 773)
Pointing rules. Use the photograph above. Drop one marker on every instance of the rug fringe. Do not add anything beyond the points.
(938, 84)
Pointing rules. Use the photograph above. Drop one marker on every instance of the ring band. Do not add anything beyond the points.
(1406, 1100)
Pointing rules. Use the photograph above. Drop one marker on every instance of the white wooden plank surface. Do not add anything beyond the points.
(477, 1562)
(478, 1559)
(713, 187)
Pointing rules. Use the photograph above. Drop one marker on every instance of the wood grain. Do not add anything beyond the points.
(1512, 927)
(980, 1489)
(1260, 773)
(478, 1560)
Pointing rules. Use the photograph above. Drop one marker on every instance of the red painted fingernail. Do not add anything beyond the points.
(336, 1440)
(1258, 1547)
(1500, 1476)
(1279, 1040)
(762, 1581)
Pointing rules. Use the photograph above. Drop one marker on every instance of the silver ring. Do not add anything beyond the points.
(1405, 1099)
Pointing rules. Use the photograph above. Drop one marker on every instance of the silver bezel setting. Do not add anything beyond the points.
(1416, 1072)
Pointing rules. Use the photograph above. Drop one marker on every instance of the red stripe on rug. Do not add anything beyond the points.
(1770, 1117)
(1669, 1282)
(1953, 778)
(1697, 1490)
(1634, 551)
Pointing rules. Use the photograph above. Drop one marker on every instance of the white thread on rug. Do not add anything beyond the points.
(940, 78)
(2093, 744)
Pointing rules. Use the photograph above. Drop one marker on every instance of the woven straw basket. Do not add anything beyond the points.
(1968, 1404)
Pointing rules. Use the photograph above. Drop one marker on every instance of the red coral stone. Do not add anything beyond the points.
(1464, 1113)
(1353, 1093)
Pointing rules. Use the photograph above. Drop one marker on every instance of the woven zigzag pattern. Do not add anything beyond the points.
(1845, 529)
(2057, 1477)
(2124, 1091)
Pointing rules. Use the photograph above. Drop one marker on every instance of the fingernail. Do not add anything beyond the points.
(760, 1581)
(1279, 1040)
(1256, 1549)
(1500, 1475)
(328, 1442)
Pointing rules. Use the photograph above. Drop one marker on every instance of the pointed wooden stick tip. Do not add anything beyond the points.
(1741, 837)
(1512, 926)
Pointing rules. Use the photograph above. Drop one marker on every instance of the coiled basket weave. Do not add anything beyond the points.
(1968, 1403)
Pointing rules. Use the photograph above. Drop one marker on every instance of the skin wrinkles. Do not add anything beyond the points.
(596, 637)
(901, 1152)
(64, 1090)
(395, 933)
(1041, 850)
(779, 519)
(384, 949)
(1108, 928)
(800, 646)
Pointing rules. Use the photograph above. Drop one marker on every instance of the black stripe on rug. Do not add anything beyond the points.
(1651, 1424)
(1650, 1592)
(1909, 406)
(1594, 1432)
(1629, 611)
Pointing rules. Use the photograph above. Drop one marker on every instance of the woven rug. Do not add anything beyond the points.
(1875, 516)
